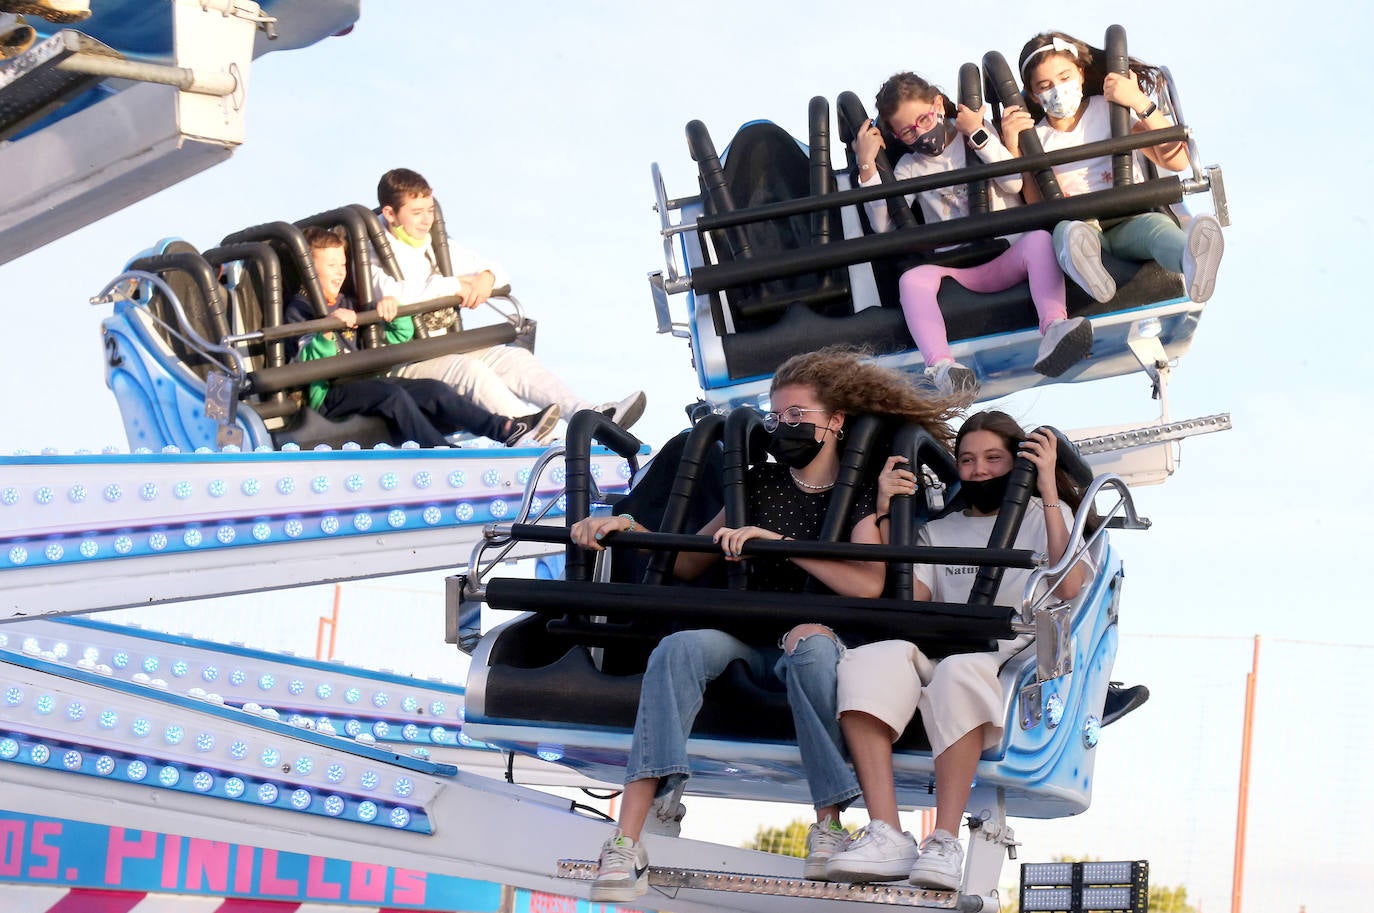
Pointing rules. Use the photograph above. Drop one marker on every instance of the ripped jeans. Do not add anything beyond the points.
(672, 693)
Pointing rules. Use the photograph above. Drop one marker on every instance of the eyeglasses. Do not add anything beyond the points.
(791, 416)
(923, 123)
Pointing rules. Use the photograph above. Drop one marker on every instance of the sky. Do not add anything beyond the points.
(537, 125)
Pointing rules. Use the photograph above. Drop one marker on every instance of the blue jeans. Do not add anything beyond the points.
(1149, 236)
(675, 681)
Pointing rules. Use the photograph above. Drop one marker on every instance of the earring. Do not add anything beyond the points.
(839, 435)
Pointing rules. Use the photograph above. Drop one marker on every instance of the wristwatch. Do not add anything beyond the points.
(1148, 111)
(979, 138)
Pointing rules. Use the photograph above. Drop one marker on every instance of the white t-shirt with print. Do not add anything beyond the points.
(1077, 178)
(954, 582)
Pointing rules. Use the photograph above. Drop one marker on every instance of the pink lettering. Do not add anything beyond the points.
(269, 883)
(367, 881)
(121, 848)
(171, 860)
(11, 847)
(42, 829)
(316, 888)
(243, 871)
(207, 866)
(408, 887)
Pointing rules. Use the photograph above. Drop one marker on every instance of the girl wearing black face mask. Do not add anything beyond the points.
(882, 685)
(923, 118)
(812, 398)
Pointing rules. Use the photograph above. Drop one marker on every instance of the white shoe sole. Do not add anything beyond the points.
(1202, 257)
(814, 869)
(937, 881)
(863, 873)
(620, 891)
(633, 410)
(1085, 253)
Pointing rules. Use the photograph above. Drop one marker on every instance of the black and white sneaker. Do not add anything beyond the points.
(537, 427)
(1066, 343)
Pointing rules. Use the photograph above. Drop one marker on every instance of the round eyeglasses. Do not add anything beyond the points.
(791, 416)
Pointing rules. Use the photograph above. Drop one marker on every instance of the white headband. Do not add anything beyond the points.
(1057, 44)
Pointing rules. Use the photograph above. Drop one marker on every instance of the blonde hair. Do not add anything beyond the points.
(845, 379)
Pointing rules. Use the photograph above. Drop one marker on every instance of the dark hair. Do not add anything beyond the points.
(904, 87)
(1090, 60)
(322, 238)
(847, 381)
(1012, 434)
(399, 185)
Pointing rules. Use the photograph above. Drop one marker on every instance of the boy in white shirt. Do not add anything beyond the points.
(497, 378)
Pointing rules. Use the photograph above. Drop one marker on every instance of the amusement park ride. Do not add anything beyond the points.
(134, 761)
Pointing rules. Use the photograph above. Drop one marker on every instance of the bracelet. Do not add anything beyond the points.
(1148, 111)
(881, 517)
(633, 523)
(1048, 504)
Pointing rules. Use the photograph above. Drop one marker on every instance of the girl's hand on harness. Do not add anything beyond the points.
(894, 481)
(588, 533)
(1015, 121)
(867, 143)
(1125, 90)
(1042, 449)
(969, 121)
(731, 541)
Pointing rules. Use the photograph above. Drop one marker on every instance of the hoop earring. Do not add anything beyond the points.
(839, 434)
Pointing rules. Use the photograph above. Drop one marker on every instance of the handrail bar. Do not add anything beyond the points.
(186, 333)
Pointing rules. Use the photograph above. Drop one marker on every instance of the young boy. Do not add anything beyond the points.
(498, 378)
(418, 410)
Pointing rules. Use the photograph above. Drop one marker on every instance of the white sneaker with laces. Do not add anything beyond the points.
(1201, 256)
(941, 863)
(1081, 261)
(878, 852)
(823, 841)
(622, 873)
(666, 814)
(952, 379)
(1065, 344)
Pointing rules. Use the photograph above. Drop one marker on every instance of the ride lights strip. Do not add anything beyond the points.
(149, 770)
(58, 705)
(1074, 887)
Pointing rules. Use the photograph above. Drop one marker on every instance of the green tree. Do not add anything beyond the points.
(789, 840)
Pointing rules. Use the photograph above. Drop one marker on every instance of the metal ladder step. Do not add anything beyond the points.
(34, 84)
(1154, 434)
(668, 879)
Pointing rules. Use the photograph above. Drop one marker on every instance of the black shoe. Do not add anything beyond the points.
(1121, 701)
(538, 426)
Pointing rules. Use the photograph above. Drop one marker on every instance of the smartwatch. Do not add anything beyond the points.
(979, 138)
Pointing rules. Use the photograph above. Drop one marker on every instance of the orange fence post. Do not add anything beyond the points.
(1238, 867)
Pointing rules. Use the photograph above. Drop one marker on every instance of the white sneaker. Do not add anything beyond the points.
(952, 378)
(1081, 260)
(941, 864)
(879, 852)
(622, 873)
(626, 412)
(666, 814)
(1066, 343)
(1201, 257)
(16, 35)
(823, 841)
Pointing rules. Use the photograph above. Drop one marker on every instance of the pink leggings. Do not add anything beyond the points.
(1031, 257)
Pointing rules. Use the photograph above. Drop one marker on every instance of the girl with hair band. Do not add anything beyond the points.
(881, 685)
(923, 118)
(1065, 81)
(812, 397)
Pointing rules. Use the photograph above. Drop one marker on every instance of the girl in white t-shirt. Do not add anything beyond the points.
(920, 115)
(881, 685)
(1063, 78)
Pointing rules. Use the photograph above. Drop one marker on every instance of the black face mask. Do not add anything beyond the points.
(934, 140)
(794, 446)
(986, 495)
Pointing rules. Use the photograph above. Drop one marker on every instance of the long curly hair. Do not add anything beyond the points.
(1091, 61)
(846, 380)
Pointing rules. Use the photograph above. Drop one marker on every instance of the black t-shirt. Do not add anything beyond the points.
(776, 503)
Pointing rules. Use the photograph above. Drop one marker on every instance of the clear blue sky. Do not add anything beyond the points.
(537, 123)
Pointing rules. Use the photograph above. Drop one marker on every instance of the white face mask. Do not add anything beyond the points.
(1061, 100)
